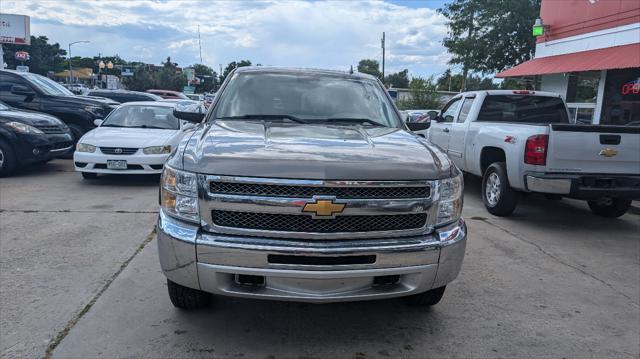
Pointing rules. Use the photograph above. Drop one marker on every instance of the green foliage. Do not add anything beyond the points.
(169, 78)
(398, 79)
(231, 66)
(209, 77)
(473, 83)
(423, 95)
(490, 35)
(44, 56)
(369, 66)
(142, 80)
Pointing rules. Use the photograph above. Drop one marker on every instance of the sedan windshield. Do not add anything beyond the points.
(140, 116)
(307, 98)
(47, 85)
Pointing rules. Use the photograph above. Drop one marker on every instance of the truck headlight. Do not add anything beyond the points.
(85, 147)
(449, 200)
(95, 110)
(179, 194)
(24, 128)
(156, 150)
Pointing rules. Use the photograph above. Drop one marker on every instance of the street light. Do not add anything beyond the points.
(71, 71)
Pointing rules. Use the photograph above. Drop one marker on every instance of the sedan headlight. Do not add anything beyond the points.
(24, 128)
(179, 194)
(450, 200)
(85, 147)
(156, 150)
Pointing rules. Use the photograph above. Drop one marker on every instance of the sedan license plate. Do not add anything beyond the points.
(116, 164)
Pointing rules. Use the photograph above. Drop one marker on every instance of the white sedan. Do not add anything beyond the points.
(136, 138)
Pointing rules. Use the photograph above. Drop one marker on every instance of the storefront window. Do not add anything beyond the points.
(621, 105)
(582, 94)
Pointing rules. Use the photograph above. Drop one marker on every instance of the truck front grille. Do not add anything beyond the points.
(276, 190)
(305, 223)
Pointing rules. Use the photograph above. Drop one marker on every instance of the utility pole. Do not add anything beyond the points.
(382, 43)
(71, 43)
(199, 44)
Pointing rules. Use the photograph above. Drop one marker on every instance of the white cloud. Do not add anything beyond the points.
(290, 33)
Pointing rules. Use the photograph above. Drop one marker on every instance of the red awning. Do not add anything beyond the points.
(618, 57)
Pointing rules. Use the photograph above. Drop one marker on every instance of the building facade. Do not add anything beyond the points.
(589, 53)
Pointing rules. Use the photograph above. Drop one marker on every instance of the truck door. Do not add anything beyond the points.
(440, 130)
(456, 147)
(8, 84)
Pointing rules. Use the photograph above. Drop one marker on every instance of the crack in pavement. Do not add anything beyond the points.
(57, 339)
(71, 211)
(559, 260)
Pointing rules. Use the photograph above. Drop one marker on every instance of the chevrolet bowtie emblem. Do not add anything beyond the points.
(608, 152)
(323, 208)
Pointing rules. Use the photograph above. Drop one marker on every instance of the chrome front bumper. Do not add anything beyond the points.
(212, 262)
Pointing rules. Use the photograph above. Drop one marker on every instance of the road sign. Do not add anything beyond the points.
(127, 71)
(189, 73)
(22, 68)
(112, 82)
(15, 29)
(189, 89)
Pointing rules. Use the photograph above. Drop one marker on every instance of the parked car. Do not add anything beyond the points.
(195, 96)
(136, 138)
(33, 92)
(168, 94)
(123, 96)
(29, 137)
(208, 99)
(306, 185)
(78, 89)
(522, 141)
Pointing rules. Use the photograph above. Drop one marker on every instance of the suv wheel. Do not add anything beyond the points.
(426, 299)
(610, 207)
(498, 196)
(7, 159)
(187, 298)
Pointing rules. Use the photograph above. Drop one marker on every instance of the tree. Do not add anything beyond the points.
(169, 77)
(423, 95)
(231, 66)
(369, 66)
(398, 79)
(143, 79)
(449, 82)
(209, 78)
(44, 56)
(488, 36)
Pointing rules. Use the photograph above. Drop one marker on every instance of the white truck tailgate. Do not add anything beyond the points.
(593, 149)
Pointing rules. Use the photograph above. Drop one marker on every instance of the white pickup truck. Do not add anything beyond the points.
(522, 141)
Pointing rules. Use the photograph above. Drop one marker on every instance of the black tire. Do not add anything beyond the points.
(503, 199)
(426, 299)
(610, 208)
(8, 161)
(187, 298)
(89, 175)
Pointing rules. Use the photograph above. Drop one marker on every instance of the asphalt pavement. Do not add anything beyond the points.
(79, 278)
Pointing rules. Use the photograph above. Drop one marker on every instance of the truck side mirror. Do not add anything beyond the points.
(194, 117)
(418, 126)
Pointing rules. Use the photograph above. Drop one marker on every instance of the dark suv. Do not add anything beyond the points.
(38, 93)
(123, 96)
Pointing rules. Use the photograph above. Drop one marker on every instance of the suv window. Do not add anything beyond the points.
(523, 108)
(8, 81)
(450, 111)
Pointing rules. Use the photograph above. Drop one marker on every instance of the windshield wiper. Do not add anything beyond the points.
(354, 120)
(263, 117)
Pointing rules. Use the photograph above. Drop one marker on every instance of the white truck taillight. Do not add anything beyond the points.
(535, 150)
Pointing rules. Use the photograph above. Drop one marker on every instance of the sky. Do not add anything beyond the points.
(313, 34)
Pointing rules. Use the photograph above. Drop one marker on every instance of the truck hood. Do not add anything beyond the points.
(301, 151)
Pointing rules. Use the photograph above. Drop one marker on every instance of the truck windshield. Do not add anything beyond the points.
(307, 98)
(524, 109)
(47, 86)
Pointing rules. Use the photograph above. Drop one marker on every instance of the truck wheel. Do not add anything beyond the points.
(426, 299)
(7, 159)
(89, 175)
(187, 298)
(610, 207)
(498, 196)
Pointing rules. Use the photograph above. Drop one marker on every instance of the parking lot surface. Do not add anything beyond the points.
(79, 278)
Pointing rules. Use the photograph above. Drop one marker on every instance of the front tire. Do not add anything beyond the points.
(498, 196)
(7, 159)
(610, 207)
(187, 298)
(426, 299)
(89, 175)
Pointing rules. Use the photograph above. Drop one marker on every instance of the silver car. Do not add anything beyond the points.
(306, 185)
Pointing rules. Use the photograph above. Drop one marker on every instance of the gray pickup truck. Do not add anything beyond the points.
(305, 185)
